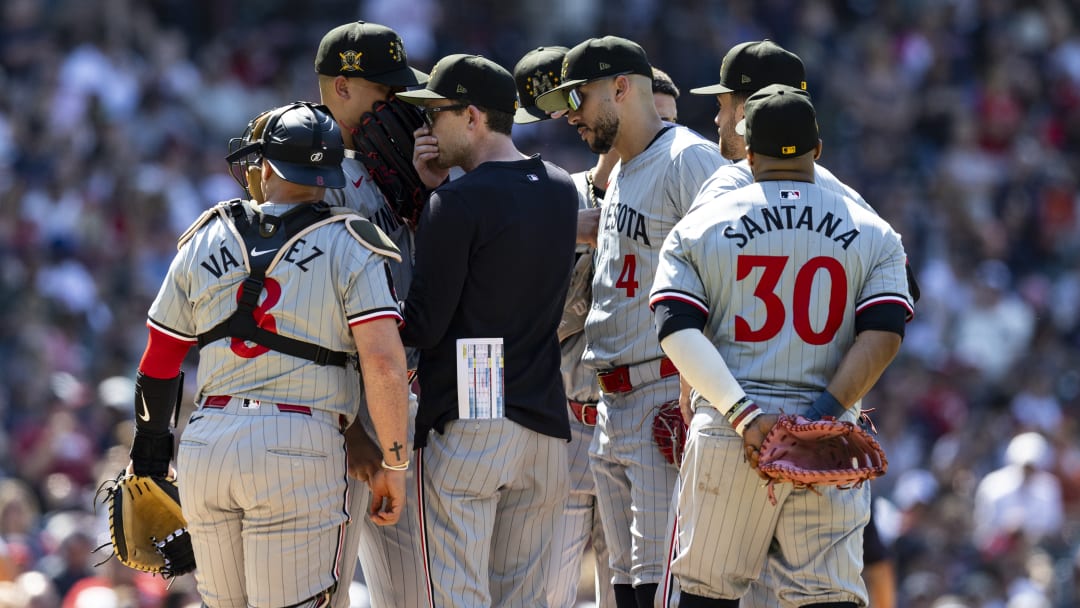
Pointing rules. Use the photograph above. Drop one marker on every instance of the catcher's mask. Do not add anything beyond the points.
(245, 157)
(301, 141)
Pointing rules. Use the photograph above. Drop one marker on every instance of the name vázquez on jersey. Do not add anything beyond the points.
(790, 217)
(299, 254)
(629, 222)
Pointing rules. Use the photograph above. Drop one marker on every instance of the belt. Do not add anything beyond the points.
(584, 412)
(626, 378)
(218, 402)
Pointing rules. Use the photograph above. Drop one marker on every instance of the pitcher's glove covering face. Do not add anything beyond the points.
(669, 432)
(384, 143)
(820, 452)
(147, 529)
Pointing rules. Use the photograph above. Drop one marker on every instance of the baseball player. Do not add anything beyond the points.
(280, 297)
(358, 65)
(758, 300)
(491, 429)
(665, 96)
(606, 91)
(579, 526)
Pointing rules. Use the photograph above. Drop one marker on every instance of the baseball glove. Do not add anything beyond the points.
(385, 146)
(669, 432)
(820, 452)
(146, 528)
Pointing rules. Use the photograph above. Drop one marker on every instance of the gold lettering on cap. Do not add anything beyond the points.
(787, 149)
(744, 79)
(605, 66)
(350, 61)
(461, 89)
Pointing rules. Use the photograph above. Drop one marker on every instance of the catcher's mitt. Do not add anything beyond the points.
(384, 144)
(669, 432)
(819, 452)
(147, 529)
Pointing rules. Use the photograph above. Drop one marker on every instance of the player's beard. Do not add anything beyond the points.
(604, 132)
(732, 145)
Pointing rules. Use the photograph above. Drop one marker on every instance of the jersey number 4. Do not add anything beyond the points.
(628, 275)
(776, 309)
(263, 319)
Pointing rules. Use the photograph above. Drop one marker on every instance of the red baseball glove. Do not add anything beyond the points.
(827, 452)
(669, 432)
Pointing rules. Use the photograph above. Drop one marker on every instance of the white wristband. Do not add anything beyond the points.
(397, 467)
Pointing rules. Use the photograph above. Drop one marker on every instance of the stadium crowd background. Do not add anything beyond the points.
(959, 120)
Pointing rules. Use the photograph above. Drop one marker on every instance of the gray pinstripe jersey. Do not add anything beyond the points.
(324, 284)
(645, 198)
(737, 175)
(361, 194)
(781, 268)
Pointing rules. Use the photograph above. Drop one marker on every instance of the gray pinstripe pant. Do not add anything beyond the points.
(492, 491)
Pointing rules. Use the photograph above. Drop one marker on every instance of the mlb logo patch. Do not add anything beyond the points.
(532, 177)
(791, 194)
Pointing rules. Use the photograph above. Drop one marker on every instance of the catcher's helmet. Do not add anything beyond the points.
(301, 141)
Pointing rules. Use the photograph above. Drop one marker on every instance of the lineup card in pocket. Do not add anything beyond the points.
(480, 378)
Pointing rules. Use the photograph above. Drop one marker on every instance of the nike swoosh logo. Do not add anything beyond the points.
(357, 182)
(194, 418)
(144, 415)
(256, 252)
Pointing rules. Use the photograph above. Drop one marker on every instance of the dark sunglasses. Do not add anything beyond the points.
(431, 111)
(575, 99)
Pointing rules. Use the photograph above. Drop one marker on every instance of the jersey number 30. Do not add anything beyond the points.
(776, 310)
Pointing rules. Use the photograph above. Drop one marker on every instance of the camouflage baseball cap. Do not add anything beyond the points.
(593, 59)
(536, 73)
(752, 65)
(366, 50)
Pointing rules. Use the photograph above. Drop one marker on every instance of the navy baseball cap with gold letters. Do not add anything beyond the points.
(593, 59)
(539, 71)
(366, 50)
(472, 78)
(749, 66)
(780, 122)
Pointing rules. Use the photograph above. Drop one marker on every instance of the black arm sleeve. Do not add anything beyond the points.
(882, 317)
(670, 316)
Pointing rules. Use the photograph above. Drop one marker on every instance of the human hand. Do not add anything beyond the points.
(387, 496)
(754, 436)
(425, 153)
(588, 226)
(364, 456)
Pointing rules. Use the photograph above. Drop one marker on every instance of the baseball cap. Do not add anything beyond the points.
(303, 145)
(477, 79)
(592, 59)
(780, 122)
(539, 71)
(366, 50)
(750, 66)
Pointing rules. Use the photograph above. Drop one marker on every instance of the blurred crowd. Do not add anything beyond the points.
(959, 120)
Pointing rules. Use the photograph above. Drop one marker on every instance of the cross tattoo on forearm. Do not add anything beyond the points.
(397, 450)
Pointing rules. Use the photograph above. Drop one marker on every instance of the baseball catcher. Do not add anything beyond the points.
(146, 527)
(385, 146)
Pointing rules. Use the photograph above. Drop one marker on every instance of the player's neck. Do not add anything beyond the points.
(636, 132)
(777, 174)
(495, 148)
(602, 171)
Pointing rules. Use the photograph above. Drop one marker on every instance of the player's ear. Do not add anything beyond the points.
(817, 150)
